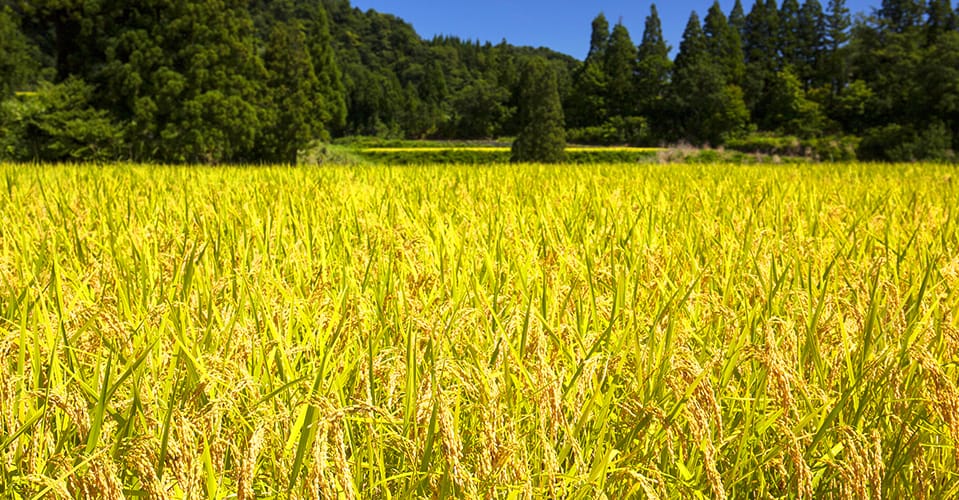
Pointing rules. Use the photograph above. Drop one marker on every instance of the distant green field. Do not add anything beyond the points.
(431, 153)
(503, 331)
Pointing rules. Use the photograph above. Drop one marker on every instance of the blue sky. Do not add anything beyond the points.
(562, 25)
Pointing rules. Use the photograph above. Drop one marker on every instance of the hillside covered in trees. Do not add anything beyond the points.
(217, 81)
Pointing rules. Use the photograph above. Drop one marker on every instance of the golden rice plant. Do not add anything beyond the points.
(617, 331)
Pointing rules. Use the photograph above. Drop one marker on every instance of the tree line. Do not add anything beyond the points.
(890, 78)
(217, 81)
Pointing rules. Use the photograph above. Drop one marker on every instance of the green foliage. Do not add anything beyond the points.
(587, 104)
(598, 39)
(790, 112)
(260, 80)
(813, 35)
(911, 82)
(18, 58)
(709, 109)
(633, 131)
(331, 90)
(939, 71)
(543, 137)
(195, 102)
(761, 48)
(940, 19)
(834, 148)
(653, 70)
(479, 110)
(293, 115)
(724, 45)
(620, 68)
(57, 124)
(790, 35)
(827, 148)
(737, 18)
(853, 106)
(835, 60)
(399, 85)
(903, 143)
(901, 16)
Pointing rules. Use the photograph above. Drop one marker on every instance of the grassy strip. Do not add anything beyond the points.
(475, 155)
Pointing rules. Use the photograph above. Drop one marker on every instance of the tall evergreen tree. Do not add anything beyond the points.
(790, 41)
(838, 21)
(811, 68)
(294, 112)
(737, 18)
(837, 36)
(761, 47)
(598, 39)
(707, 109)
(901, 15)
(587, 104)
(693, 49)
(620, 65)
(760, 44)
(653, 72)
(542, 138)
(939, 19)
(330, 88)
(724, 45)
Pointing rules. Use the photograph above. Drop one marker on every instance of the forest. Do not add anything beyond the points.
(255, 81)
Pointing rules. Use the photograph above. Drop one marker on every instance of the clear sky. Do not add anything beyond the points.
(562, 25)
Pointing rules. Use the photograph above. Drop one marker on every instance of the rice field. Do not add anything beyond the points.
(601, 331)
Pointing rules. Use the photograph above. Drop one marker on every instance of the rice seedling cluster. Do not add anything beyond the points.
(655, 331)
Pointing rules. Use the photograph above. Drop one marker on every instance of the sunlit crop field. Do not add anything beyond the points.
(503, 331)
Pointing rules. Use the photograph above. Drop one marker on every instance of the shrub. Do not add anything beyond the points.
(630, 130)
(830, 148)
(903, 143)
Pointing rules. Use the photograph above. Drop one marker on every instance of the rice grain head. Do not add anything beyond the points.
(803, 473)
(944, 395)
(139, 457)
(319, 484)
(247, 468)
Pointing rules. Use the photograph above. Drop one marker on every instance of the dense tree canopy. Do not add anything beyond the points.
(258, 80)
